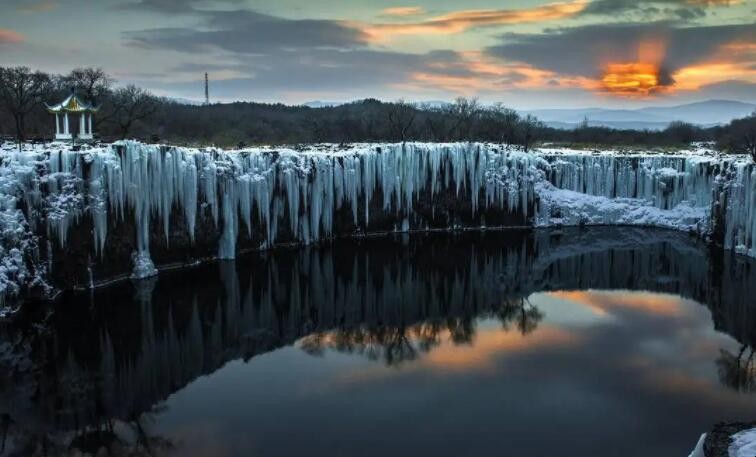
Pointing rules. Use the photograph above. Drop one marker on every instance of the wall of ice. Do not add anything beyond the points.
(78, 218)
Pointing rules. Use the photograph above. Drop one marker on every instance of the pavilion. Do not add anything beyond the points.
(75, 106)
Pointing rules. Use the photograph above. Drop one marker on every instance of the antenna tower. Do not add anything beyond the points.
(207, 91)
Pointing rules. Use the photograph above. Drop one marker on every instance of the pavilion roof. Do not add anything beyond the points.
(72, 104)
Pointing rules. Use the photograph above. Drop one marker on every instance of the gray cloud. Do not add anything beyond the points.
(325, 69)
(173, 6)
(276, 54)
(684, 9)
(581, 51)
(248, 32)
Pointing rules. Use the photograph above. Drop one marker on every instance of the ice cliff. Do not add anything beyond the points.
(82, 218)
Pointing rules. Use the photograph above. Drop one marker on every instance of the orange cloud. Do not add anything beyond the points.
(491, 343)
(696, 76)
(602, 303)
(476, 72)
(645, 77)
(732, 61)
(8, 36)
(460, 21)
(403, 11)
(639, 79)
(632, 80)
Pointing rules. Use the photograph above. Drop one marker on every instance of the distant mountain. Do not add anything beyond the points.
(185, 101)
(321, 104)
(711, 112)
(708, 112)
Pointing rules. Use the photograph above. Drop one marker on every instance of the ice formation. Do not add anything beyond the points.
(268, 193)
(743, 444)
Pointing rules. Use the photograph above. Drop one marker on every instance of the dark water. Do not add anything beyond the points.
(600, 342)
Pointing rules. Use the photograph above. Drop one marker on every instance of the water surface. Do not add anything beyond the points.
(620, 342)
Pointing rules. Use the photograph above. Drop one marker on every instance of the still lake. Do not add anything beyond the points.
(575, 342)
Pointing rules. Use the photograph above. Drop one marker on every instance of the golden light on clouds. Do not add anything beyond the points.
(476, 72)
(639, 79)
(632, 80)
(732, 61)
(403, 11)
(697, 76)
(9, 36)
(461, 21)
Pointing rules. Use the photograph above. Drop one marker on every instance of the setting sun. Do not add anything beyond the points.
(632, 79)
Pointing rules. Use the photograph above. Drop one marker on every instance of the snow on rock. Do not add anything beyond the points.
(565, 207)
(48, 191)
(698, 451)
(743, 444)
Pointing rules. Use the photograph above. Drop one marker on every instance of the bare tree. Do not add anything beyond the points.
(400, 115)
(504, 122)
(520, 311)
(742, 136)
(466, 112)
(93, 83)
(95, 86)
(529, 129)
(437, 122)
(131, 104)
(22, 90)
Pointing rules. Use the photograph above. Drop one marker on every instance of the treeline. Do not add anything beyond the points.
(135, 113)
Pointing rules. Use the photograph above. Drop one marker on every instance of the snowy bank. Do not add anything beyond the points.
(82, 218)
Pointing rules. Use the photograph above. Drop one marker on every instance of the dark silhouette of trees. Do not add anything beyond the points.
(530, 128)
(131, 104)
(134, 112)
(400, 116)
(91, 83)
(740, 137)
(21, 91)
(521, 313)
(465, 113)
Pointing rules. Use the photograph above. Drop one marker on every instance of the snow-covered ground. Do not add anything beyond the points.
(45, 190)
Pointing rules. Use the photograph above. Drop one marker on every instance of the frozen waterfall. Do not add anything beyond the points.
(155, 201)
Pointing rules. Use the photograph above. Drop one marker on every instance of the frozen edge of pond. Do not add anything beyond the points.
(47, 190)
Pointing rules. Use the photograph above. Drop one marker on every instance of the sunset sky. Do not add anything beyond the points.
(525, 53)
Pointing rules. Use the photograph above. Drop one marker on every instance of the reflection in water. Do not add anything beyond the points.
(396, 344)
(97, 372)
(738, 371)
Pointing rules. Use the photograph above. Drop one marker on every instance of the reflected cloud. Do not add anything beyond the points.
(604, 303)
(445, 304)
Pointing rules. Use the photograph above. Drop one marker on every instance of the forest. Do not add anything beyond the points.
(133, 112)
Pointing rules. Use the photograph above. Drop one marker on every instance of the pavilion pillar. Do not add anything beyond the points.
(65, 124)
(57, 124)
(90, 124)
(82, 124)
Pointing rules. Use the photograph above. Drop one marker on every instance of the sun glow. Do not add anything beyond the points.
(633, 79)
(641, 78)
